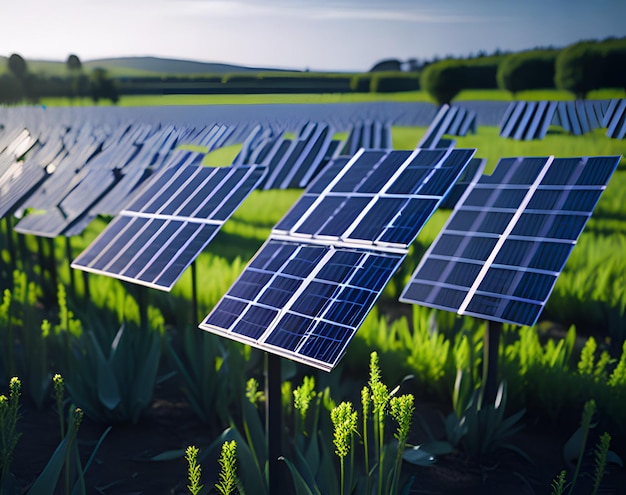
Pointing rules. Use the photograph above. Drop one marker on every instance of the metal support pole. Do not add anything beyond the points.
(491, 347)
(68, 255)
(273, 419)
(86, 289)
(194, 294)
(143, 307)
(42, 263)
(10, 245)
(53, 263)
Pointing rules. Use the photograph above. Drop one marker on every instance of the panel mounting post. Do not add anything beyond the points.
(194, 292)
(491, 345)
(273, 421)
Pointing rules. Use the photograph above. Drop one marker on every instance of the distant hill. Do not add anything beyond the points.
(137, 66)
(170, 66)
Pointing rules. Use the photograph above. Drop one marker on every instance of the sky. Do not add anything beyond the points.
(327, 35)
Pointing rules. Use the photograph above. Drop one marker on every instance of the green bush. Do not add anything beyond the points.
(589, 65)
(527, 70)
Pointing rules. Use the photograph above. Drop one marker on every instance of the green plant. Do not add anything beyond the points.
(480, 431)
(116, 383)
(601, 454)
(9, 436)
(228, 468)
(64, 459)
(378, 470)
(344, 420)
(575, 450)
(24, 353)
(194, 470)
(559, 484)
(401, 409)
(213, 372)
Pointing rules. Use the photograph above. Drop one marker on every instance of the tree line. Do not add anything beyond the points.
(578, 68)
(20, 84)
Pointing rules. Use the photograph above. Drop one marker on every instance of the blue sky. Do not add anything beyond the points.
(350, 35)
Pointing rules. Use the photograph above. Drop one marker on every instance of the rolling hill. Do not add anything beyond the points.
(137, 66)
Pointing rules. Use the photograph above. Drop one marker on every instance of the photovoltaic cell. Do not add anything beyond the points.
(379, 197)
(311, 285)
(176, 215)
(506, 242)
(303, 301)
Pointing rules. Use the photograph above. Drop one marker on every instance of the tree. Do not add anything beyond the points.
(102, 86)
(391, 64)
(74, 67)
(17, 66)
(578, 68)
(527, 70)
(443, 80)
(73, 64)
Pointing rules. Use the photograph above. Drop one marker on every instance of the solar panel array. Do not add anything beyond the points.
(527, 120)
(502, 249)
(311, 285)
(455, 121)
(176, 214)
(473, 171)
(77, 174)
(615, 119)
(293, 163)
(369, 135)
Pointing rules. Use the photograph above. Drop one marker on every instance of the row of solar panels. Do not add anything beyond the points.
(527, 120)
(75, 175)
(277, 117)
(308, 289)
(107, 164)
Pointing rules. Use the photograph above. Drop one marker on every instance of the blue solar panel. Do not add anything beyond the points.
(303, 301)
(382, 197)
(505, 244)
(168, 224)
(309, 288)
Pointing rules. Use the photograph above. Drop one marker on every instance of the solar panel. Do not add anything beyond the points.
(449, 120)
(505, 244)
(616, 119)
(176, 214)
(313, 282)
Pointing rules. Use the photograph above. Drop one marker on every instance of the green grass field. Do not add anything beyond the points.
(256, 99)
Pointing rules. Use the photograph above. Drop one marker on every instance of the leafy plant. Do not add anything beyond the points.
(9, 436)
(21, 319)
(482, 429)
(344, 420)
(380, 466)
(194, 470)
(228, 468)
(116, 383)
(575, 450)
(213, 372)
(65, 466)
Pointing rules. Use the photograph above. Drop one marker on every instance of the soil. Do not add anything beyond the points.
(123, 462)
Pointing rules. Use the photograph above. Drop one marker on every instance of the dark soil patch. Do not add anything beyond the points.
(123, 466)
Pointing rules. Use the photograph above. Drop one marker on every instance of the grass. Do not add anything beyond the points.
(262, 99)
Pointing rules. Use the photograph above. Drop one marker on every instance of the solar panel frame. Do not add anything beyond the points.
(320, 304)
(474, 270)
(305, 293)
(170, 221)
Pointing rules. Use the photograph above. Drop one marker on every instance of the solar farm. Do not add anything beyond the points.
(472, 254)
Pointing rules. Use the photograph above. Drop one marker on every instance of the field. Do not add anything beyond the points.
(163, 384)
(408, 96)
